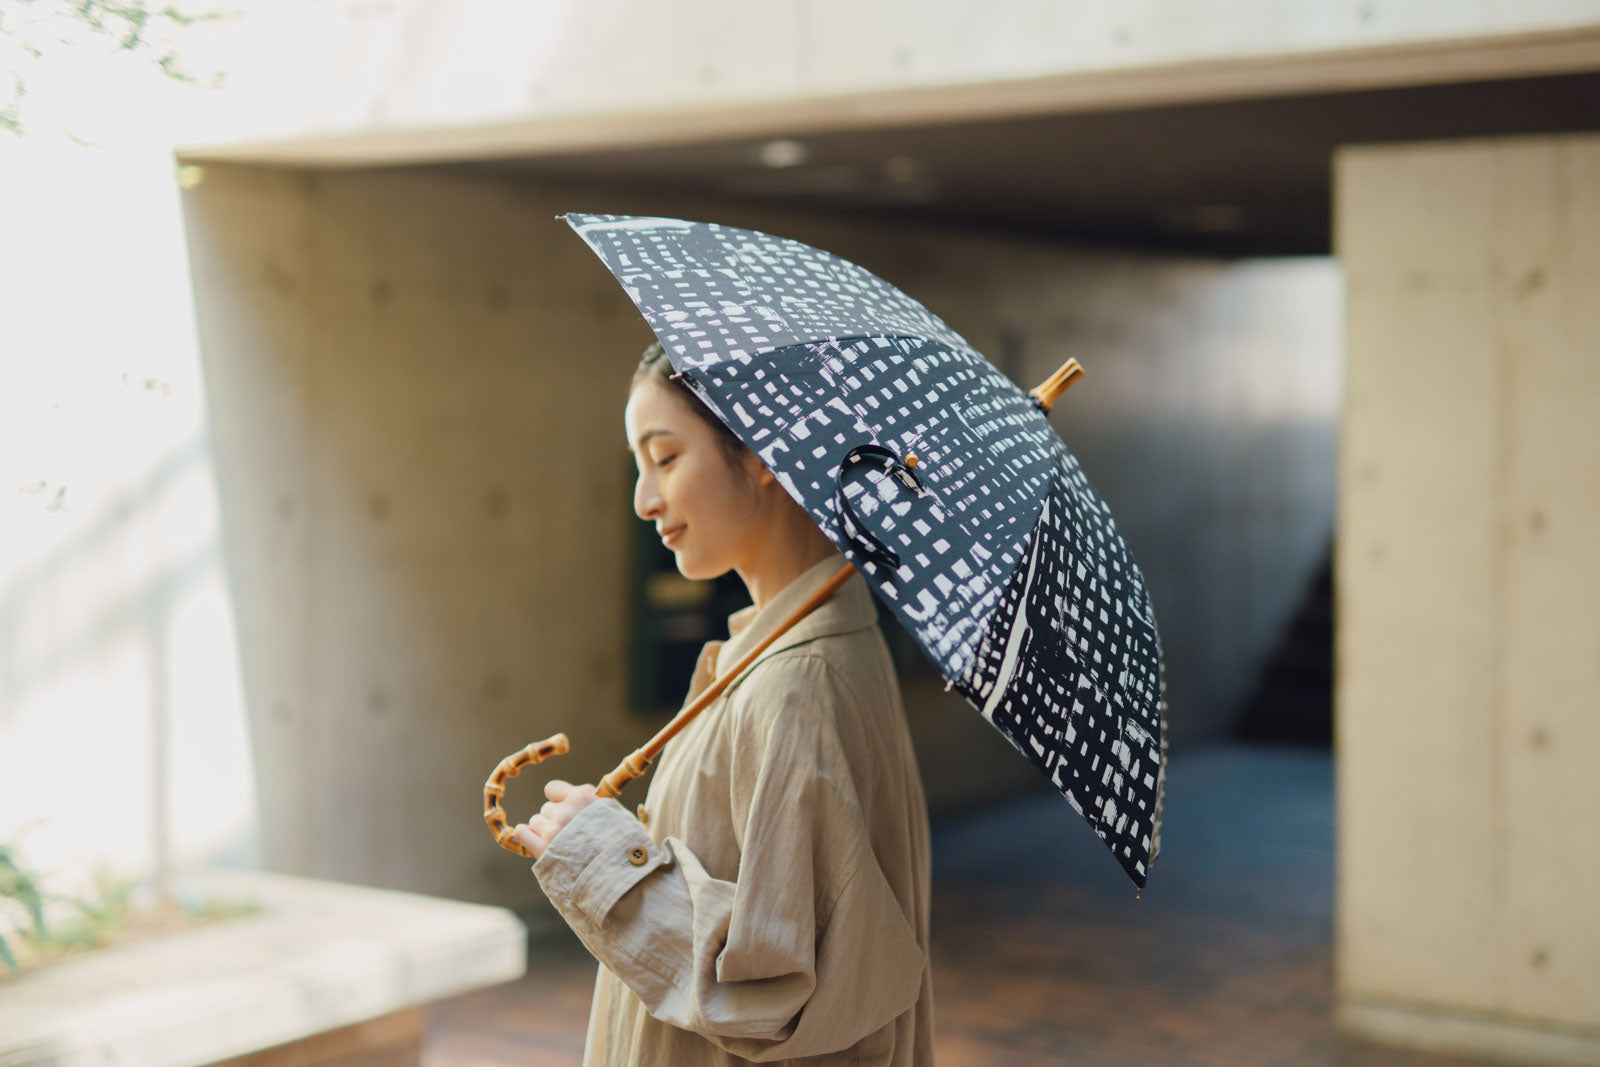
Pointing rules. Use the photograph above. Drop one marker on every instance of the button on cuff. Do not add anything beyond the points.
(622, 856)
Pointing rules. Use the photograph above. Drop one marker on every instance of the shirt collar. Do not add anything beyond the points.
(850, 608)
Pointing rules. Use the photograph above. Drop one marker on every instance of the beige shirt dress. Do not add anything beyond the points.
(771, 902)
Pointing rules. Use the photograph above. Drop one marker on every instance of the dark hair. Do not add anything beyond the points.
(654, 362)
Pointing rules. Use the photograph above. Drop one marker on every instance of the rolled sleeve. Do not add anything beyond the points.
(591, 862)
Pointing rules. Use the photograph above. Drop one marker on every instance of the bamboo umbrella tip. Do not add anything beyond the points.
(1047, 392)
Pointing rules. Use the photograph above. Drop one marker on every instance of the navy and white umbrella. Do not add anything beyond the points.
(990, 546)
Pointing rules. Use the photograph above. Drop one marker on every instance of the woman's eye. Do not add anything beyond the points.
(665, 461)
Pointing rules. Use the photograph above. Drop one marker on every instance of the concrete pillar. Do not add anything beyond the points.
(1468, 583)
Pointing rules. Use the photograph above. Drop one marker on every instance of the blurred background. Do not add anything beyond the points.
(316, 504)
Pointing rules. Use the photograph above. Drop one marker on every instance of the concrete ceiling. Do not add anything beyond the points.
(1239, 177)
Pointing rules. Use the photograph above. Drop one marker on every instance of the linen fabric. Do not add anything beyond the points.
(773, 906)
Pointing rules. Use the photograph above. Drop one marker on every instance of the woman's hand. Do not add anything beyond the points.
(566, 800)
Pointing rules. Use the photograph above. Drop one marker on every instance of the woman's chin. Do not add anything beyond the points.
(696, 569)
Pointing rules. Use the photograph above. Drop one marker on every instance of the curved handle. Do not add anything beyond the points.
(495, 788)
(865, 541)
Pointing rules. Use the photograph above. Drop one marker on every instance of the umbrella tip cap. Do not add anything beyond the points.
(1047, 392)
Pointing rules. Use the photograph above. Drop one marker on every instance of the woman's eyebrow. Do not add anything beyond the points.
(644, 438)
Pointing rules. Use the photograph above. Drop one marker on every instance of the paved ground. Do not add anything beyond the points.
(1042, 955)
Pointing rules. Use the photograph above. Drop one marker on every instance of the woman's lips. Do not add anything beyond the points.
(671, 535)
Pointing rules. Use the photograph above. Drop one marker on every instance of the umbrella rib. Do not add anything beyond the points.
(1019, 629)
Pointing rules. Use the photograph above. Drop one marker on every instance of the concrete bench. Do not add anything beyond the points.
(324, 973)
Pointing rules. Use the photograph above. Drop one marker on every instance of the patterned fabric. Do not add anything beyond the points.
(1009, 569)
(1069, 622)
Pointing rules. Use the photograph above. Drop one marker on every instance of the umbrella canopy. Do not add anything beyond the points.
(941, 480)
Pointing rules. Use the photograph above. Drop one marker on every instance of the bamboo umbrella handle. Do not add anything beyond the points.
(636, 763)
(495, 788)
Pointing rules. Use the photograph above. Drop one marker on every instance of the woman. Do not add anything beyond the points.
(769, 903)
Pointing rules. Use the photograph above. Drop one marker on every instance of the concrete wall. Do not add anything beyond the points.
(483, 77)
(416, 382)
(424, 520)
(1469, 858)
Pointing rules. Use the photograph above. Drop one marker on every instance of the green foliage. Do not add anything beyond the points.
(11, 114)
(96, 920)
(22, 886)
(78, 923)
(129, 25)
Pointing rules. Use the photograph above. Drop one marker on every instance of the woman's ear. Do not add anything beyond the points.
(757, 470)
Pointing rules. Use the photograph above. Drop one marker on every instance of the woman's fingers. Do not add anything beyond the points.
(566, 800)
(528, 840)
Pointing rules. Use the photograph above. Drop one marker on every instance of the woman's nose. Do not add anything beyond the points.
(646, 501)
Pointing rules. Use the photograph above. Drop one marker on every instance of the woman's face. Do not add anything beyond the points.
(705, 509)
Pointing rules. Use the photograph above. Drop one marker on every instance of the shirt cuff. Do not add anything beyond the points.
(598, 856)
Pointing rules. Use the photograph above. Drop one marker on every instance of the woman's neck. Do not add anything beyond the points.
(780, 560)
